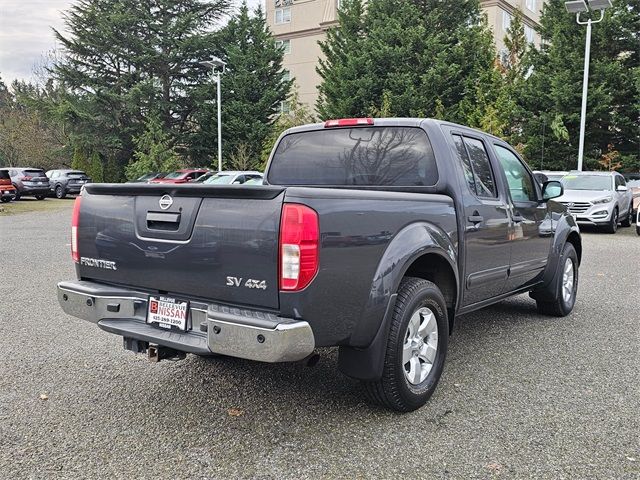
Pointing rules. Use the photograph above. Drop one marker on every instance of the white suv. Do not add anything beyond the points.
(598, 198)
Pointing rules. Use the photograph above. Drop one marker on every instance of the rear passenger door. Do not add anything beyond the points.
(532, 231)
(486, 221)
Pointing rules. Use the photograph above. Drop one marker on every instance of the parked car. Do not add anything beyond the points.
(7, 190)
(29, 182)
(598, 198)
(147, 177)
(371, 235)
(232, 178)
(638, 222)
(66, 181)
(203, 177)
(181, 176)
(255, 181)
(547, 175)
(634, 186)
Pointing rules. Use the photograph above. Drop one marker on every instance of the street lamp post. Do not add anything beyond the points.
(217, 67)
(578, 7)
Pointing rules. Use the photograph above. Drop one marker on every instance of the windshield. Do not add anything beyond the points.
(376, 156)
(219, 180)
(587, 182)
(77, 174)
(34, 173)
(4, 175)
(175, 175)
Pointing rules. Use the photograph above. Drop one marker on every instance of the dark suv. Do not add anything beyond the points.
(66, 181)
(29, 182)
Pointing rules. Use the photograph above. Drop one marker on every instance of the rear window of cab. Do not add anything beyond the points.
(364, 156)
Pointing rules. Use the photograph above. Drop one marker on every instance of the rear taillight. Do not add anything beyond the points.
(75, 223)
(348, 122)
(299, 238)
(25, 178)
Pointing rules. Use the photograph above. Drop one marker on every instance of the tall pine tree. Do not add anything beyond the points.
(125, 61)
(422, 57)
(253, 86)
(553, 93)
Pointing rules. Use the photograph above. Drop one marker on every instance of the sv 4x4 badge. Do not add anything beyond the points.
(249, 283)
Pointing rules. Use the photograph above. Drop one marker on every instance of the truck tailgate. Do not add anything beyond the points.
(209, 242)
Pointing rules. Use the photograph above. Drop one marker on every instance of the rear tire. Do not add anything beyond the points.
(17, 197)
(566, 286)
(416, 348)
(60, 192)
(627, 221)
(612, 226)
(5, 199)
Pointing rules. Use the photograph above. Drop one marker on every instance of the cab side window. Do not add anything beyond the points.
(520, 181)
(620, 181)
(476, 166)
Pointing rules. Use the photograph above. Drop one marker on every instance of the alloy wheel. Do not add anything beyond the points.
(568, 280)
(420, 346)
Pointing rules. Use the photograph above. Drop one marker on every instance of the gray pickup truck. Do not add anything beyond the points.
(370, 235)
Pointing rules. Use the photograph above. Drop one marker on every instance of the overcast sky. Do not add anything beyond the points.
(25, 34)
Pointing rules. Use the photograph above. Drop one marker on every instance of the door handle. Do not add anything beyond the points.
(475, 218)
(517, 218)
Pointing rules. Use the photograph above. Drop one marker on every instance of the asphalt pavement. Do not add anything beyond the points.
(522, 395)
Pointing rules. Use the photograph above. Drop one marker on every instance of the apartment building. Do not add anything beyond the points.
(298, 25)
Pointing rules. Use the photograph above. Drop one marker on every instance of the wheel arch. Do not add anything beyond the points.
(421, 250)
(574, 239)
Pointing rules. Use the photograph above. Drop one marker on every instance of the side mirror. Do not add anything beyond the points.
(622, 188)
(551, 189)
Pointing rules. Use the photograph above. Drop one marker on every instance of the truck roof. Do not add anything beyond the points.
(393, 122)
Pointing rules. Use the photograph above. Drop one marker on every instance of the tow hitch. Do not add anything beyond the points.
(154, 352)
(158, 352)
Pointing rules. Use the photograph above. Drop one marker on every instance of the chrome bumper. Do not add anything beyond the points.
(212, 328)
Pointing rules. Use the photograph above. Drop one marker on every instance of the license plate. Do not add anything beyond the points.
(40, 183)
(168, 313)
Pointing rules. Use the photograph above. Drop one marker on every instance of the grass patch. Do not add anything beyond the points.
(29, 204)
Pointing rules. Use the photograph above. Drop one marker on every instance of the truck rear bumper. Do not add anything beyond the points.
(212, 328)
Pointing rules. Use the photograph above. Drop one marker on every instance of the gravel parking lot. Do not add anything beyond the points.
(522, 395)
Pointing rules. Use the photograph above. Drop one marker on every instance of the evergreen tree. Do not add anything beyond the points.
(124, 59)
(153, 151)
(426, 56)
(553, 93)
(253, 86)
(297, 115)
(496, 106)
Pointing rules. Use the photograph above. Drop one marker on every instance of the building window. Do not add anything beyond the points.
(531, 5)
(285, 106)
(529, 33)
(506, 20)
(504, 57)
(283, 15)
(285, 45)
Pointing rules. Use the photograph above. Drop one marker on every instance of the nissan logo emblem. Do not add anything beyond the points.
(165, 202)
